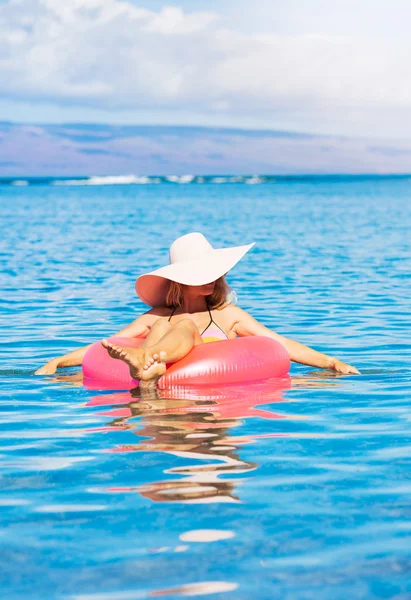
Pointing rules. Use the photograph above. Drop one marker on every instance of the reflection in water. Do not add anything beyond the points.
(196, 589)
(194, 424)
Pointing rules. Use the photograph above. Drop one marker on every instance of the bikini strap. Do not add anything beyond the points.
(211, 319)
(174, 310)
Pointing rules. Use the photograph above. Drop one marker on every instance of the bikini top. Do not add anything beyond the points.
(215, 334)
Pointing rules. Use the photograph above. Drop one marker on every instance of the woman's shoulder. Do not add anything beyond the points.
(159, 311)
(230, 308)
(154, 313)
(231, 313)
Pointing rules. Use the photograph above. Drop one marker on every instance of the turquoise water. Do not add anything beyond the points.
(296, 490)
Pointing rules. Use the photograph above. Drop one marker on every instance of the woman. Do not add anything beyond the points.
(188, 295)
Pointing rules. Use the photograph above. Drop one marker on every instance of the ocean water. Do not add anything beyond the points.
(295, 489)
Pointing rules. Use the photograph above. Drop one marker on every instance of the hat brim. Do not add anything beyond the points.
(152, 287)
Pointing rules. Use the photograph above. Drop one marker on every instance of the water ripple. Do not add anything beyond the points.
(295, 488)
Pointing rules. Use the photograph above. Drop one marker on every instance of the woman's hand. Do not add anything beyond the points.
(48, 369)
(342, 367)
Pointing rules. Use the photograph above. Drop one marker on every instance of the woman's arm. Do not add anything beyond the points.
(73, 359)
(139, 327)
(245, 324)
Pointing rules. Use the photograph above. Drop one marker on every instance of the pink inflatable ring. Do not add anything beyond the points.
(238, 360)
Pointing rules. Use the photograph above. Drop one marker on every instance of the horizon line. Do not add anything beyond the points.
(194, 176)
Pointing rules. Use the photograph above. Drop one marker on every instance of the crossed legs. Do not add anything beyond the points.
(166, 343)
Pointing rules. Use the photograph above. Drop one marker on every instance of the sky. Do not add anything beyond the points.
(333, 67)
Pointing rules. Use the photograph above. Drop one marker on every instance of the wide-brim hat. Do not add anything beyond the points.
(193, 261)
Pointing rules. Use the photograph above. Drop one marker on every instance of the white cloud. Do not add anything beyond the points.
(171, 19)
(115, 55)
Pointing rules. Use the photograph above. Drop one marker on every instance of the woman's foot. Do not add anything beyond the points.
(142, 366)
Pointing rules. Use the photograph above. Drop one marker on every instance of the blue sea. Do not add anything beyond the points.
(286, 489)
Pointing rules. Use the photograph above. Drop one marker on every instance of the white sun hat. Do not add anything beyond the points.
(193, 261)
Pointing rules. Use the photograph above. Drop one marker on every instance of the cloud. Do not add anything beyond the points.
(114, 55)
(172, 20)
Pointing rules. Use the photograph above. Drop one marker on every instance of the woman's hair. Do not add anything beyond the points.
(217, 299)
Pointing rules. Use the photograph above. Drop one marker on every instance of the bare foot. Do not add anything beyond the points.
(142, 366)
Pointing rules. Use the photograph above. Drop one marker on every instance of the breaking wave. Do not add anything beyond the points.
(97, 180)
(138, 180)
(144, 180)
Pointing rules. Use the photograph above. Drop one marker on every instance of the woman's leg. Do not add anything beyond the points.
(148, 362)
(176, 342)
(157, 331)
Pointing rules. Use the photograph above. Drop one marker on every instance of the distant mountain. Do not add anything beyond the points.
(78, 149)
